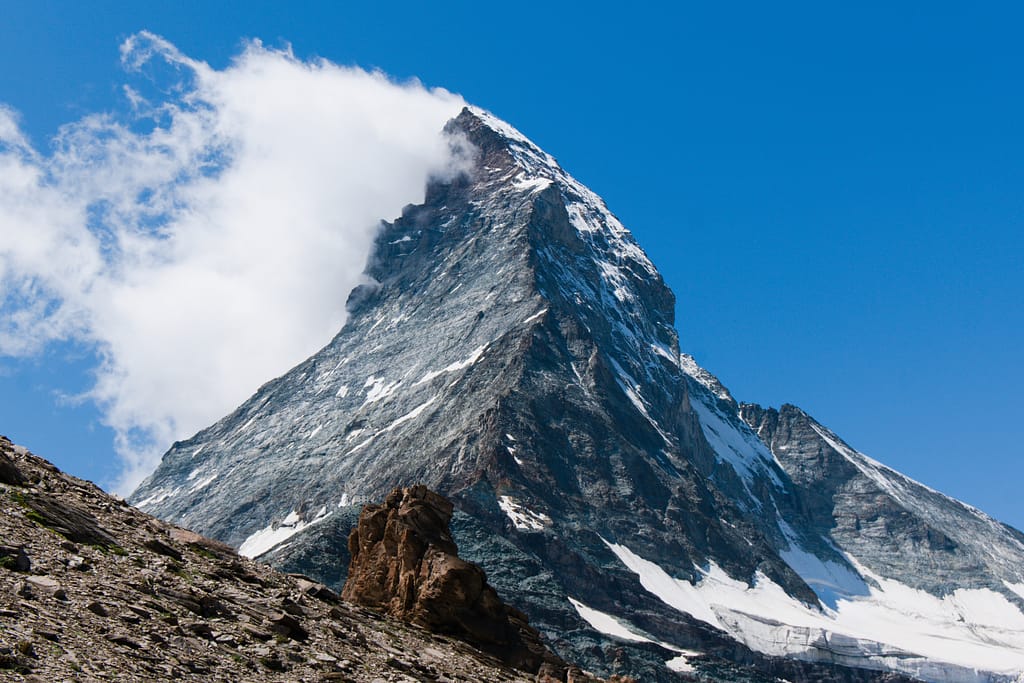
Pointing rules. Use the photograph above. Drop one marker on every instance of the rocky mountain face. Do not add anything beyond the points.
(894, 526)
(93, 589)
(515, 350)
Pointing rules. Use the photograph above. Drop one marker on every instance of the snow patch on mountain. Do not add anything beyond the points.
(377, 389)
(607, 624)
(688, 365)
(676, 593)
(412, 414)
(681, 663)
(1017, 588)
(203, 483)
(535, 315)
(158, 496)
(277, 533)
(632, 391)
(617, 628)
(665, 353)
(478, 353)
(969, 635)
(530, 185)
(829, 580)
(736, 445)
(521, 516)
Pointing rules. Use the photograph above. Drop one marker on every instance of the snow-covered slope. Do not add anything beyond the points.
(941, 576)
(968, 635)
(516, 350)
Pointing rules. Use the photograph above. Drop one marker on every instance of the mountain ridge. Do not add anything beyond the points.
(770, 423)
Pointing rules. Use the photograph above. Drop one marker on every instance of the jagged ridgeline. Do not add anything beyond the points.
(518, 353)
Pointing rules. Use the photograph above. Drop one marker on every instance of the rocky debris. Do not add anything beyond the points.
(141, 600)
(405, 564)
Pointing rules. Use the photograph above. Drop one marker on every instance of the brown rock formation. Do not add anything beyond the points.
(405, 564)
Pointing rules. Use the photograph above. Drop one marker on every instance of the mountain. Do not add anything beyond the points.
(93, 589)
(515, 350)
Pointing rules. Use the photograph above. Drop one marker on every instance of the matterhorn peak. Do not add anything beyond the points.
(517, 352)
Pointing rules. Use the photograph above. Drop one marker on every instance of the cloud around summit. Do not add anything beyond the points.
(204, 240)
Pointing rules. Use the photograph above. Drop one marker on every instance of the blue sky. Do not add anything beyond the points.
(832, 190)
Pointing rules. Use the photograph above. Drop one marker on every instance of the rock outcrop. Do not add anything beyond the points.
(405, 564)
(93, 589)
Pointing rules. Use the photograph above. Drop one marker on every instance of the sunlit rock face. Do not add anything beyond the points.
(515, 350)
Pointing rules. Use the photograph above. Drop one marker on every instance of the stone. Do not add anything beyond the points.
(44, 584)
(73, 522)
(15, 559)
(199, 628)
(158, 546)
(140, 612)
(288, 626)
(315, 589)
(78, 562)
(97, 608)
(257, 634)
(121, 639)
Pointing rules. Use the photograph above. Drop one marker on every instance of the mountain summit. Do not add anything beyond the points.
(516, 350)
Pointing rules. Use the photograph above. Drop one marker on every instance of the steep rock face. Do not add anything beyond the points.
(405, 563)
(894, 526)
(515, 351)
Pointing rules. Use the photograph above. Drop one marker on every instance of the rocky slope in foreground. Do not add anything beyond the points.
(93, 589)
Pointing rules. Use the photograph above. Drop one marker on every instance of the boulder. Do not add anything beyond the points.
(14, 558)
(74, 523)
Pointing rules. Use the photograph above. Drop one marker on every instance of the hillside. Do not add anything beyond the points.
(93, 589)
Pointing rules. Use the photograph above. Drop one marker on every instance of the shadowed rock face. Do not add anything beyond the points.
(405, 563)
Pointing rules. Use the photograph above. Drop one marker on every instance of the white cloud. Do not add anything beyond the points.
(207, 243)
